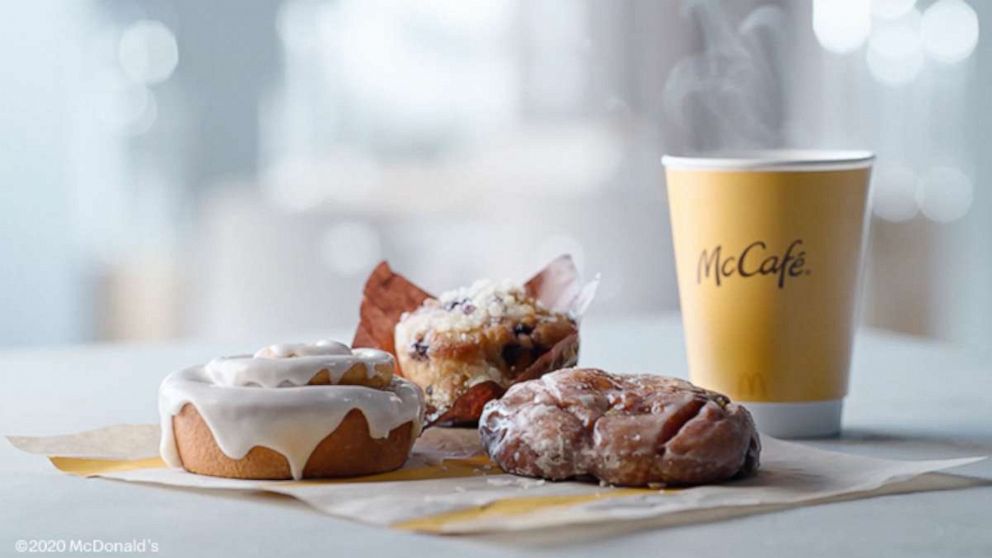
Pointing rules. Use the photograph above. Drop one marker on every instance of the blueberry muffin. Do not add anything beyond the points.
(482, 338)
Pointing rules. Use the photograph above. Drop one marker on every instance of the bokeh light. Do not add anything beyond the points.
(945, 194)
(148, 52)
(841, 26)
(895, 53)
(350, 247)
(124, 107)
(949, 30)
(143, 121)
(891, 9)
(894, 193)
(296, 24)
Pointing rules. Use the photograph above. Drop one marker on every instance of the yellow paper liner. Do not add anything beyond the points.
(89, 467)
(448, 469)
(507, 507)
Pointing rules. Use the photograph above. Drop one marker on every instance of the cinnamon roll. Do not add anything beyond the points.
(290, 411)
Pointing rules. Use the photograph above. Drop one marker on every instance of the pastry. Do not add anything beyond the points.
(628, 430)
(290, 411)
(488, 332)
(469, 345)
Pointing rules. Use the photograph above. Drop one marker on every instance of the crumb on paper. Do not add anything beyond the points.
(520, 482)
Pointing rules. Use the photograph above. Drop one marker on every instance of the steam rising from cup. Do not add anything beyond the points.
(728, 95)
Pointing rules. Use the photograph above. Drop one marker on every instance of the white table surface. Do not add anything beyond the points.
(910, 399)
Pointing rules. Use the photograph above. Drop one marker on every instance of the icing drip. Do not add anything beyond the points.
(293, 364)
(290, 420)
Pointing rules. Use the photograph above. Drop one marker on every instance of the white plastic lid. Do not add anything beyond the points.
(772, 159)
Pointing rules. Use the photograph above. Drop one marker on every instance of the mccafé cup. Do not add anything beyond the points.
(768, 250)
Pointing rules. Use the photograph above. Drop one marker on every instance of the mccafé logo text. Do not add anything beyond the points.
(754, 260)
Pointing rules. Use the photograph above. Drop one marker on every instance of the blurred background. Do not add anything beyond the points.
(226, 169)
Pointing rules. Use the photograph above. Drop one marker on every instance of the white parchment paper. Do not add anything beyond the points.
(448, 486)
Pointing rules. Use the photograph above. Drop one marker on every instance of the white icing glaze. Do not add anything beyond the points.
(293, 364)
(289, 420)
(320, 347)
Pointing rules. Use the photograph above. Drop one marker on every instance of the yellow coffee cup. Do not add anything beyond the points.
(768, 249)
